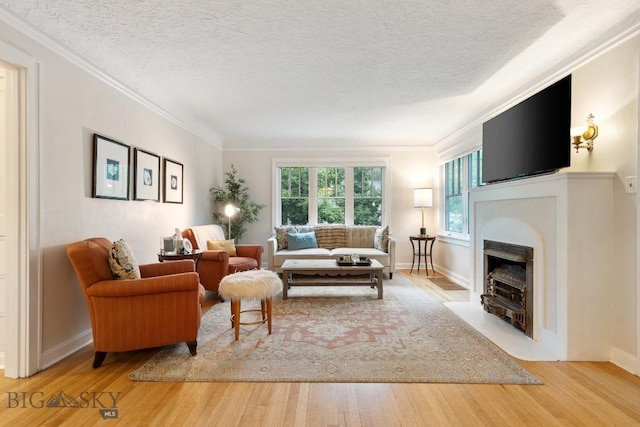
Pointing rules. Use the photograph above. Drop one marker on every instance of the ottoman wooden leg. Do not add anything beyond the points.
(235, 309)
(268, 301)
(263, 308)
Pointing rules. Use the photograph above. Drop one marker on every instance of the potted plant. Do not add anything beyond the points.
(234, 191)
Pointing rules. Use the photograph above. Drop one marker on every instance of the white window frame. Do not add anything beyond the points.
(278, 163)
(464, 176)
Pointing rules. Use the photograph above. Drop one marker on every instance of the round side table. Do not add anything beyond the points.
(173, 256)
(424, 249)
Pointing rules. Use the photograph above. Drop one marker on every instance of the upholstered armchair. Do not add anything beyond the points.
(215, 264)
(163, 307)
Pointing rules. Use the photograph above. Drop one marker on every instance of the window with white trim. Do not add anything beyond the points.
(335, 194)
(294, 195)
(459, 176)
(453, 210)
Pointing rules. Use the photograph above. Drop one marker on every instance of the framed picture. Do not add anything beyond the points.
(110, 168)
(173, 185)
(146, 176)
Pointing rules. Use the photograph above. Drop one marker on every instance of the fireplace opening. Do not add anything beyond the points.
(508, 283)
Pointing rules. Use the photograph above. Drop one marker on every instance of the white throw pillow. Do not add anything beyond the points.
(122, 262)
(381, 239)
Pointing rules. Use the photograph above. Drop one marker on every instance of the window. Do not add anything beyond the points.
(475, 169)
(367, 196)
(294, 195)
(453, 196)
(331, 195)
(337, 194)
(460, 175)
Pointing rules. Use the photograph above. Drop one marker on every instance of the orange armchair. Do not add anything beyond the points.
(161, 308)
(215, 264)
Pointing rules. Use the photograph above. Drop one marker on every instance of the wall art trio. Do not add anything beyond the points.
(112, 170)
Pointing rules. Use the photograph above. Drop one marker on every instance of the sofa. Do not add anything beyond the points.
(217, 263)
(331, 242)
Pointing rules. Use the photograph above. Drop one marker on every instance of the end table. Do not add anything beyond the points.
(425, 252)
(173, 256)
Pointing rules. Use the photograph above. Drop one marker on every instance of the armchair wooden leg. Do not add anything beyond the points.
(99, 358)
(192, 347)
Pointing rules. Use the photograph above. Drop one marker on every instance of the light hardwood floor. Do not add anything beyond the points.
(574, 393)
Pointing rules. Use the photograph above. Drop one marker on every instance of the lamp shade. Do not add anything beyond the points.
(422, 197)
(230, 210)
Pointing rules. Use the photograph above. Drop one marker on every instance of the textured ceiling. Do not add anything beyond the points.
(367, 72)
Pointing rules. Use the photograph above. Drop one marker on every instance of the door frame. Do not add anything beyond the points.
(638, 231)
(24, 253)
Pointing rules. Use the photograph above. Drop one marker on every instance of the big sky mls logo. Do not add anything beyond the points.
(105, 401)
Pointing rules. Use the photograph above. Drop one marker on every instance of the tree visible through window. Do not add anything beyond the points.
(460, 175)
(294, 195)
(453, 196)
(340, 194)
(367, 197)
(331, 195)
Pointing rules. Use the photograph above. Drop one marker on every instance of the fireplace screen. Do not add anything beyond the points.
(508, 283)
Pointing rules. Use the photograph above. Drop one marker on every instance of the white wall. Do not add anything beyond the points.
(409, 170)
(606, 86)
(74, 105)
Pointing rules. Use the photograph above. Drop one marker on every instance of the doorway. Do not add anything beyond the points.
(5, 106)
(20, 251)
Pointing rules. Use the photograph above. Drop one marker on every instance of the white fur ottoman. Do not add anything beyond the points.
(253, 284)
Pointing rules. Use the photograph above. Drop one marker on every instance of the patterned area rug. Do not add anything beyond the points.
(446, 284)
(341, 334)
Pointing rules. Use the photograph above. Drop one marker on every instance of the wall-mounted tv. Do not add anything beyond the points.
(531, 138)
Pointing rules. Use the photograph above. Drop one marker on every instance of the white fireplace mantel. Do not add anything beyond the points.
(567, 219)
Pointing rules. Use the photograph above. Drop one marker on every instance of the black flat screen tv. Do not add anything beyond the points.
(531, 138)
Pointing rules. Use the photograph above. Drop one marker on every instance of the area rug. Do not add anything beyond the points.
(341, 334)
(446, 284)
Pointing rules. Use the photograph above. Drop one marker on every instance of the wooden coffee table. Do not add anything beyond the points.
(332, 274)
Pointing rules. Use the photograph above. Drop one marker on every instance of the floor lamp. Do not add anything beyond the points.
(423, 198)
(229, 211)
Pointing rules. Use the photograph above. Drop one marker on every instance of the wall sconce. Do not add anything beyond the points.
(229, 211)
(422, 198)
(583, 136)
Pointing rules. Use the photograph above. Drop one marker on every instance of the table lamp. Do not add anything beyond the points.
(423, 198)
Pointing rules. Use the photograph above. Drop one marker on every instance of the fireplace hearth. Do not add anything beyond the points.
(508, 284)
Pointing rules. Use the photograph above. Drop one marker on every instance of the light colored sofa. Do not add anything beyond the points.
(334, 241)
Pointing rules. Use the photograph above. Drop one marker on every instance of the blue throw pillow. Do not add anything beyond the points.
(297, 241)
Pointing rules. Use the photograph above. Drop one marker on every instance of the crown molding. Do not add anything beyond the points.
(352, 150)
(449, 143)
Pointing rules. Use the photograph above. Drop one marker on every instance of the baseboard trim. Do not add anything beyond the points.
(460, 280)
(2, 360)
(624, 360)
(66, 348)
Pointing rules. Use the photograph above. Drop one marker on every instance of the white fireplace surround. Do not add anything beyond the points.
(567, 219)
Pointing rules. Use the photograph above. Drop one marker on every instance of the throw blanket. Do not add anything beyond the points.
(204, 233)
